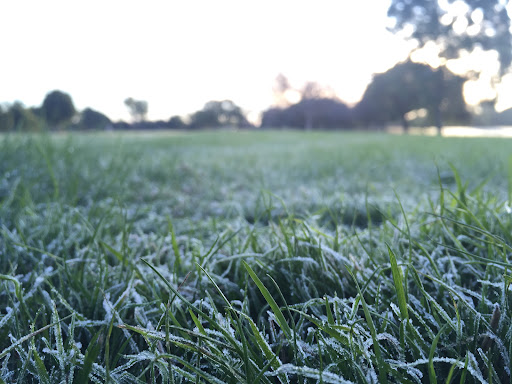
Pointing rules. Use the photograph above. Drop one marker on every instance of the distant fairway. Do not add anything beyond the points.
(246, 257)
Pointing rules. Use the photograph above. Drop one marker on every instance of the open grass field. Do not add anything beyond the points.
(255, 257)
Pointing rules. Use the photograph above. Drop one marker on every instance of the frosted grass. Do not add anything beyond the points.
(226, 258)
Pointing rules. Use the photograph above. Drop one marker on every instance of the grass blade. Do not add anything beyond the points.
(281, 321)
(399, 287)
(431, 371)
(369, 321)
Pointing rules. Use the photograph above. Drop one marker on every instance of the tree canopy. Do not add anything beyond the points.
(91, 119)
(216, 114)
(456, 26)
(16, 117)
(58, 108)
(410, 86)
(138, 109)
(310, 113)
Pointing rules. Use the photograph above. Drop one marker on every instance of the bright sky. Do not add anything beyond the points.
(177, 55)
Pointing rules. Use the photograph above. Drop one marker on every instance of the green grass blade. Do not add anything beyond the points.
(91, 354)
(196, 322)
(330, 317)
(42, 373)
(228, 304)
(465, 370)
(175, 248)
(399, 287)
(450, 374)
(369, 322)
(431, 371)
(29, 336)
(281, 321)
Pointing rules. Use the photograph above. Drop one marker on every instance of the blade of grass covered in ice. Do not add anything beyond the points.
(414, 242)
(126, 261)
(459, 296)
(17, 286)
(276, 286)
(281, 321)
(311, 373)
(228, 304)
(91, 354)
(213, 355)
(398, 281)
(461, 189)
(479, 259)
(175, 248)
(245, 357)
(211, 321)
(383, 367)
(42, 373)
(272, 358)
(497, 240)
(330, 317)
(431, 371)
(29, 336)
(218, 244)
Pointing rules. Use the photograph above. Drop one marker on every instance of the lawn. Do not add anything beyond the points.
(255, 257)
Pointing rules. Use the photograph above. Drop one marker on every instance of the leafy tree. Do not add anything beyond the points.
(58, 108)
(176, 122)
(219, 114)
(455, 27)
(91, 119)
(5, 119)
(18, 118)
(138, 109)
(310, 113)
(410, 86)
(311, 109)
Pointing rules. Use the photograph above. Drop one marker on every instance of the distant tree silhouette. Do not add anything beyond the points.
(310, 109)
(313, 113)
(410, 86)
(5, 120)
(18, 118)
(91, 119)
(58, 109)
(138, 109)
(217, 114)
(176, 122)
(455, 27)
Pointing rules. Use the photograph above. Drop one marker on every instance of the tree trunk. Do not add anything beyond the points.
(405, 125)
(308, 123)
(438, 119)
(439, 81)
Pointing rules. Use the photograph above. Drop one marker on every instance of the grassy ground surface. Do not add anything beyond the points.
(255, 257)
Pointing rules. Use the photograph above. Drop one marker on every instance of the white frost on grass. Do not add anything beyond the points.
(311, 373)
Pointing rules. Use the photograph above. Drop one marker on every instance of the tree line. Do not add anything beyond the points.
(408, 94)
(58, 112)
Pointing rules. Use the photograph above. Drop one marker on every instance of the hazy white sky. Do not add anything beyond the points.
(177, 55)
